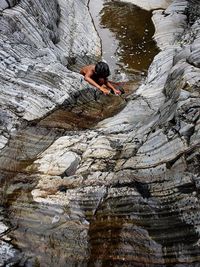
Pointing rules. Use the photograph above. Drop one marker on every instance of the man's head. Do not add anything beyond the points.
(102, 69)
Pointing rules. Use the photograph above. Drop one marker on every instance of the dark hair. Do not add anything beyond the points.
(102, 69)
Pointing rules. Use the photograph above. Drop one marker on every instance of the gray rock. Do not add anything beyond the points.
(8, 255)
(128, 185)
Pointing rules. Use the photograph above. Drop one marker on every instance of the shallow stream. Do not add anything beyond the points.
(126, 33)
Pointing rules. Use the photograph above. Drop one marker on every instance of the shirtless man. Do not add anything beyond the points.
(97, 75)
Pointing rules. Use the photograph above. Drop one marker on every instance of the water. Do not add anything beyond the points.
(126, 32)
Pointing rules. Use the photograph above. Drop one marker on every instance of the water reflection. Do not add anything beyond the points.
(126, 38)
(136, 48)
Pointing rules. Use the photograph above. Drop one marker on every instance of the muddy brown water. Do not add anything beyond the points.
(56, 236)
(126, 32)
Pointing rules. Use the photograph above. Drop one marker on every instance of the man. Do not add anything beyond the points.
(97, 75)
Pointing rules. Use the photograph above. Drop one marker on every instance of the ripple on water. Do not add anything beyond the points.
(126, 32)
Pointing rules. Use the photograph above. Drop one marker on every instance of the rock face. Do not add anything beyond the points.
(40, 41)
(126, 191)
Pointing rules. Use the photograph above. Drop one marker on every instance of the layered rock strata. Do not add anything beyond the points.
(40, 41)
(126, 192)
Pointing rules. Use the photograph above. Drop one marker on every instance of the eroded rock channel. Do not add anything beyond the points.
(91, 190)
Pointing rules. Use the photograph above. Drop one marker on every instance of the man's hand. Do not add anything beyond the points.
(117, 92)
(104, 90)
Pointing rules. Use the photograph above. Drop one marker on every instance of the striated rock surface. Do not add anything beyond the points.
(39, 42)
(126, 191)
